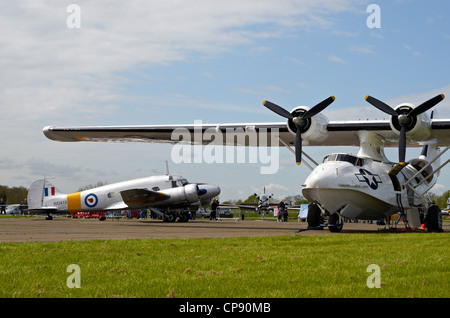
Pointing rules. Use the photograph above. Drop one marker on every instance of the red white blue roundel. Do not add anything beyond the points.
(91, 200)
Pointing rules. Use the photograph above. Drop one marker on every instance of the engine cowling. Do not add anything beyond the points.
(191, 192)
(313, 129)
(418, 127)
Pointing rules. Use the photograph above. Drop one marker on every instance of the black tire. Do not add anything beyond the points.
(336, 223)
(170, 217)
(313, 218)
(433, 219)
(184, 216)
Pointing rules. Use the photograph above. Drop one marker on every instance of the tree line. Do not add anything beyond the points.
(14, 195)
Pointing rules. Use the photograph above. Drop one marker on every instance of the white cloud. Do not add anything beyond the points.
(49, 69)
(335, 59)
(362, 49)
(276, 187)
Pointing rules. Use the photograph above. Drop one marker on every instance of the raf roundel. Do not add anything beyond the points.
(91, 200)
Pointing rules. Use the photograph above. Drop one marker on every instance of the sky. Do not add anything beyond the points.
(175, 62)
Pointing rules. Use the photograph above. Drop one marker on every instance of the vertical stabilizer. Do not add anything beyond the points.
(40, 190)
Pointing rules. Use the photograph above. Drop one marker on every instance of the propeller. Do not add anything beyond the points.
(300, 122)
(404, 117)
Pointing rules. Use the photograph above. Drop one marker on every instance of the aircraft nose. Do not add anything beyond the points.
(208, 190)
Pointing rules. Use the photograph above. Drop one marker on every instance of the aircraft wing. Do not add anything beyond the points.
(337, 133)
(141, 198)
(238, 206)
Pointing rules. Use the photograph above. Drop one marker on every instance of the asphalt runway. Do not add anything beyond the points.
(37, 229)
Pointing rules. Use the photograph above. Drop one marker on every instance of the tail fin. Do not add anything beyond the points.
(39, 191)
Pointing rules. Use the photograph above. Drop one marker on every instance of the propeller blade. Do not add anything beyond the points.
(319, 107)
(426, 105)
(381, 105)
(298, 147)
(402, 144)
(277, 109)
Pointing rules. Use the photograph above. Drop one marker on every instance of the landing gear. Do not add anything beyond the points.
(315, 221)
(184, 216)
(174, 215)
(335, 223)
(433, 219)
(170, 216)
(314, 218)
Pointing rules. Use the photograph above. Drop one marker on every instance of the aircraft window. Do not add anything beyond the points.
(344, 157)
(181, 182)
(111, 195)
(155, 189)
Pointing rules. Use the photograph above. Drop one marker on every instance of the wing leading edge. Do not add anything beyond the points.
(339, 133)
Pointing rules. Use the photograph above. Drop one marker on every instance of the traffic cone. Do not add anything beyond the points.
(422, 227)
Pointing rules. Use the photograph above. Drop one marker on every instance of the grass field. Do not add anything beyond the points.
(411, 265)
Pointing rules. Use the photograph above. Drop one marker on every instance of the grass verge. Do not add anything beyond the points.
(411, 265)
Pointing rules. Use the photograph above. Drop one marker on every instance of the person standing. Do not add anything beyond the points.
(281, 208)
(2, 206)
(214, 205)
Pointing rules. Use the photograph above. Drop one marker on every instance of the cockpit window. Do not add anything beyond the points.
(344, 157)
(179, 182)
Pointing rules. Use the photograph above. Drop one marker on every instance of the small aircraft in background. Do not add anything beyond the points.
(261, 207)
(263, 202)
(170, 196)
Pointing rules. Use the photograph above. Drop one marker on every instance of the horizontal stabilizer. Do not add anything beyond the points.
(43, 210)
(142, 198)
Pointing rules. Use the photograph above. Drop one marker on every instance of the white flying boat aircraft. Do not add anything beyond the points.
(362, 186)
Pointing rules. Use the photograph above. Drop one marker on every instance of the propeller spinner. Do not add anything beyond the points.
(300, 121)
(404, 118)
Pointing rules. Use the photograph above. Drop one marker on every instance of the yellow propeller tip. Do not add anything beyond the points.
(264, 102)
(443, 96)
(334, 98)
(367, 96)
(298, 163)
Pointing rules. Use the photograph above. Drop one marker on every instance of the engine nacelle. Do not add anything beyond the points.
(313, 129)
(191, 192)
(418, 127)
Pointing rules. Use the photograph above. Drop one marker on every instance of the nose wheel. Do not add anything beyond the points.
(335, 223)
(314, 219)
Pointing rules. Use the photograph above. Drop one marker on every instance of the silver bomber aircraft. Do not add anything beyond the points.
(363, 186)
(170, 196)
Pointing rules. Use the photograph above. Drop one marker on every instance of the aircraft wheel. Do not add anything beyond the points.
(336, 221)
(313, 217)
(170, 217)
(434, 219)
(184, 216)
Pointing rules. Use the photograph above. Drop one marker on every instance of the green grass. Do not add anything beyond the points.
(412, 265)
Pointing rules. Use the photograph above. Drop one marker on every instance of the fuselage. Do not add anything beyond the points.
(359, 188)
(171, 191)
